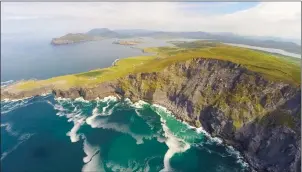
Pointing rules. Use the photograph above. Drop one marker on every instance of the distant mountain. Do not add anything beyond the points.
(225, 37)
(103, 32)
(229, 38)
(297, 41)
(134, 31)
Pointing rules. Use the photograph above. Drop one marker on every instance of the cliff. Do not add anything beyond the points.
(259, 117)
(250, 99)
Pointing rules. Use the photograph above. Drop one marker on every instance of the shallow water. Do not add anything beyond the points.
(42, 133)
(270, 50)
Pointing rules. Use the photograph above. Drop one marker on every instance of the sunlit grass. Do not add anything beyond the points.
(272, 67)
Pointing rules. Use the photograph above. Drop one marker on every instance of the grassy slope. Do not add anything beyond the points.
(89, 79)
(271, 66)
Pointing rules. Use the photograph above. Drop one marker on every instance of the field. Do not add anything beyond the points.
(273, 67)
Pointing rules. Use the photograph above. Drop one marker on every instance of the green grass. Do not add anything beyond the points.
(90, 78)
(196, 44)
(271, 66)
(280, 68)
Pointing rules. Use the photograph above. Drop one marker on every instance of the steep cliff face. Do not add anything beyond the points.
(257, 115)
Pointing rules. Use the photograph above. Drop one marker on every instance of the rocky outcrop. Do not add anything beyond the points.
(258, 116)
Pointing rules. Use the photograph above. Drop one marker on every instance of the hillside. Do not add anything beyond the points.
(103, 32)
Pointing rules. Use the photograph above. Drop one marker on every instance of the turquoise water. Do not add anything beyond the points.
(47, 134)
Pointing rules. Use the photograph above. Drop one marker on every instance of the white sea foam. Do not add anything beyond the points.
(92, 160)
(240, 159)
(217, 140)
(105, 124)
(140, 104)
(109, 98)
(96, 122)
(131, 166)
(62, 99)
(81, 99)
(11, 105)
(22, 139)
(16, 100)
(75, 116)
(8, 128)
(106, 107)
(175, 145)
(59, 107)
(46, 94)
(198, 130)
(6, 83)
(74, 137)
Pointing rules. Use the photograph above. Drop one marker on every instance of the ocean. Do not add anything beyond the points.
(47, 134)
(61, 135)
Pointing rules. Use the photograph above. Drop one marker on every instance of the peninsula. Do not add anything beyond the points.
(92, 35)
(250, 99)
(72, 38)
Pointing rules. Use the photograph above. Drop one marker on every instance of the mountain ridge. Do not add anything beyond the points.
(226, 38)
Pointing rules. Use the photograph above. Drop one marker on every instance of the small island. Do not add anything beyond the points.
(72, 38)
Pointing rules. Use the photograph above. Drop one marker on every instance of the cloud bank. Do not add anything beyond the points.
(279, 19)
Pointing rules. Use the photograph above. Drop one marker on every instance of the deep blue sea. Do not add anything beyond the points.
(44, 134)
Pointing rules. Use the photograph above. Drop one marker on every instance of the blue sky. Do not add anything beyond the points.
(278, 19)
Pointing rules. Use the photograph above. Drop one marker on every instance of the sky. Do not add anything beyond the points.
(274, 19)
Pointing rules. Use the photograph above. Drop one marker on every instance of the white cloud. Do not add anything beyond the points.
(279, 19)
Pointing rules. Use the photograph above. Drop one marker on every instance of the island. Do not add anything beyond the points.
(250, 99)
(72, 38)
(92, 35)
(127, 42)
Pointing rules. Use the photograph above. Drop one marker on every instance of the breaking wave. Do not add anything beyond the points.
(6, 83)
(177, 135)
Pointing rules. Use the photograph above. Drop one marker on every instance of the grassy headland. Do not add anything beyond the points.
(273, 67)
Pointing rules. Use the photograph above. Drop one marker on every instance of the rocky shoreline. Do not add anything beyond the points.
(259, 117)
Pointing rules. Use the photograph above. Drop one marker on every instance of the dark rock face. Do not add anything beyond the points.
(216, 123)
(102, 90)
(268, 145)
(259, 117)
